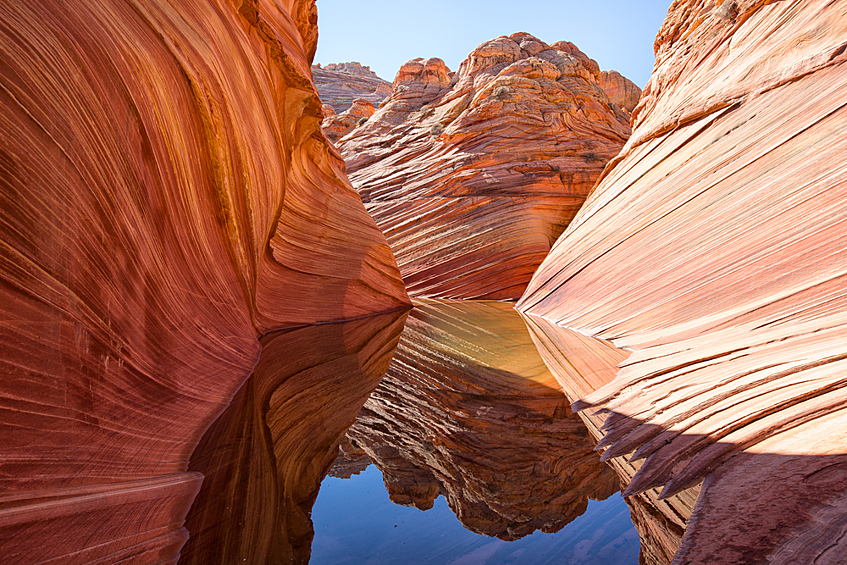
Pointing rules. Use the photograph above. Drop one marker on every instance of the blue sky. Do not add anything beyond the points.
(384, 34)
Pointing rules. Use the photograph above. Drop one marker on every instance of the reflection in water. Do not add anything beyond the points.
(468, 410)
(583, 364)
(264, 458)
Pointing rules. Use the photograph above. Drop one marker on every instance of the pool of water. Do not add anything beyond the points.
(355, 522)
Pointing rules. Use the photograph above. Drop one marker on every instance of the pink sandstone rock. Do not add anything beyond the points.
(472, 175)
(167, 199)
(620, 89)
(338, 125)
(713, 249)
(339, 85)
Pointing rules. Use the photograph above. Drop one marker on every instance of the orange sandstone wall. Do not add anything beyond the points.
(473, 175)
(166, 197)
(714, 248)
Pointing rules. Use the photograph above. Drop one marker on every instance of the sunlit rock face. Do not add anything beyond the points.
(468, 410)
(336, 126)
(620, 89)
(714, 249)
(339, 85)
(265, 457)
(473, 175)
(167, 198)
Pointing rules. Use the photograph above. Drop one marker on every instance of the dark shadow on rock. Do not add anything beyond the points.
(265, 457)
(769, 503)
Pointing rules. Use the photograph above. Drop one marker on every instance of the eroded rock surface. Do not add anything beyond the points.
(714, 249)
(468, 410)
(166, 198)
(339, 85)
(265, 457)
(472, 175)
(336, 126)
(620, 89)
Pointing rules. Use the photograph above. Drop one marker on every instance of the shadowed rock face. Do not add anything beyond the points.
(340, 85)
(473, 175)
(713, 248)
(468, 410)
(265, 457)
(166, 197)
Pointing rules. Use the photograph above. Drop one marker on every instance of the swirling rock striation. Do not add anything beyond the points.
(265, 457)
(166, 198)
(473, 175)
(339, 85)
(468, 410)
(714, 248)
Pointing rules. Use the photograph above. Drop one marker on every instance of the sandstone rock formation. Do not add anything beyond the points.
(620, 89)
(467, 409)
(581, 365)
(167, 198)
(265, 457)
(713, 248)
(339, 85)
(336, 126)
(472, 175)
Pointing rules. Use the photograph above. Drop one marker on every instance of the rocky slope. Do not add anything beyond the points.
(167, 198)
(472, 175)
(468, 410)
(265, 457)
(340, 84)
(336, 126)
(713, 248)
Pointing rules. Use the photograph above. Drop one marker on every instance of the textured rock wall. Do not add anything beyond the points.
(467, 409)
(166, 197)
(339, 85)
(583, 364)
(336, 126)
(265, 457)
(473, 175)
(714, 249)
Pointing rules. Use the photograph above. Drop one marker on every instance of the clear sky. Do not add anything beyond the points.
(384, 34)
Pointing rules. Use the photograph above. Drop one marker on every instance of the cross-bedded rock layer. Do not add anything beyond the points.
(339, 85)
(166, 197)
(467, 409)
(473, 175)
(714, 249)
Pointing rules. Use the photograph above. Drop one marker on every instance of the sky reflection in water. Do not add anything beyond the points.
(355, 522)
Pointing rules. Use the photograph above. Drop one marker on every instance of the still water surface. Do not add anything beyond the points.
(355, 522)
(459, 445)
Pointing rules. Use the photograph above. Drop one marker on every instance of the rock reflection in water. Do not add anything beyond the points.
(468, 410)
(265, 457)
(583, 364)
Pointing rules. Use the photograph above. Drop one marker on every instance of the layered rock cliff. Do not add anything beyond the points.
(265, 457)
(473, 175)
(336, 126)
(339, 85)
(468, 410)
(714, 248)
(167, 198)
